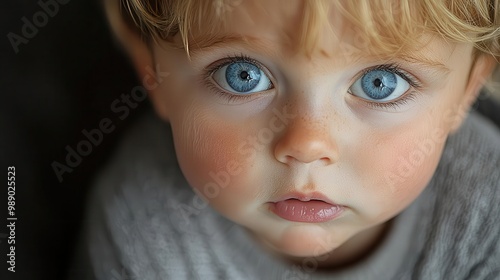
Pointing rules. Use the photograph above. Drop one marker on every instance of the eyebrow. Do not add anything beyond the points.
(206, 43)
(426, 62)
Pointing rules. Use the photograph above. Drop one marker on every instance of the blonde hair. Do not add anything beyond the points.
(387, 25)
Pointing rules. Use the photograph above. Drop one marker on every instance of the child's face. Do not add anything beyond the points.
(271, 122)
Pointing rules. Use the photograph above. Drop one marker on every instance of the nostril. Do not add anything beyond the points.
(288, 158)
(299, 145)
(326, 160)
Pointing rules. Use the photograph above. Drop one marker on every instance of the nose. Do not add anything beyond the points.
(307, 140)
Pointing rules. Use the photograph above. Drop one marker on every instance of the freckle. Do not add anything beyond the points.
(309, 187)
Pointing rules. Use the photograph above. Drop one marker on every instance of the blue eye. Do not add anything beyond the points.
(379, 85)
(242, 78)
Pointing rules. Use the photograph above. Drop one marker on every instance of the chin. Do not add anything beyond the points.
(306, 250)
(303, 241)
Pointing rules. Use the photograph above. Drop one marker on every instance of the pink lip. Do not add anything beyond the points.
(307, 208)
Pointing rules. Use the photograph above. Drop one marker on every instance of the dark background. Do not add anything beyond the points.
(63, 80)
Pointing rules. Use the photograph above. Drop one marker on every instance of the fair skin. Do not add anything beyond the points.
(333, 141)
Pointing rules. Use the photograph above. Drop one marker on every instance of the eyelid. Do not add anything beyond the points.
(395, 69)
(411, 94)
(235, 59)
(394, 104)
(217, 65)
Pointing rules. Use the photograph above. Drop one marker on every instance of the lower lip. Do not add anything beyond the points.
(312, 211)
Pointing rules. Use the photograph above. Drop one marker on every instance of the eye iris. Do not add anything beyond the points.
(379, 84)
(242, 76)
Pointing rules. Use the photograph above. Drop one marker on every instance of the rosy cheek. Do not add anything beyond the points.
(208, 155)
(410, 167)
(397, 166)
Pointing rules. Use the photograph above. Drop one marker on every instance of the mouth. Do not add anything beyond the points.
(313, 208)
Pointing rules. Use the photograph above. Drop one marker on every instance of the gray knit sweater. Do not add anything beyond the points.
(135, 231)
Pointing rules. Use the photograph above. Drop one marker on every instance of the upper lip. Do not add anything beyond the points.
(305, 197)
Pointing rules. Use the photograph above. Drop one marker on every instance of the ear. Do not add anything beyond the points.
(138, 51)
(481, 69)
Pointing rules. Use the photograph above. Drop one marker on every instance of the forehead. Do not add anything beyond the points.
(285, 28)
(277, 21)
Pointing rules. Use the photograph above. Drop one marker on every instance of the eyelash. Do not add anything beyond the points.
(225, 61)
(397, 70)
(391, 67)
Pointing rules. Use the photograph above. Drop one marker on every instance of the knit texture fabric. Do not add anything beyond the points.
(137, 227)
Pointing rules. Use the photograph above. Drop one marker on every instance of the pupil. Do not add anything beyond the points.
(244, 75)
(379, 84)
